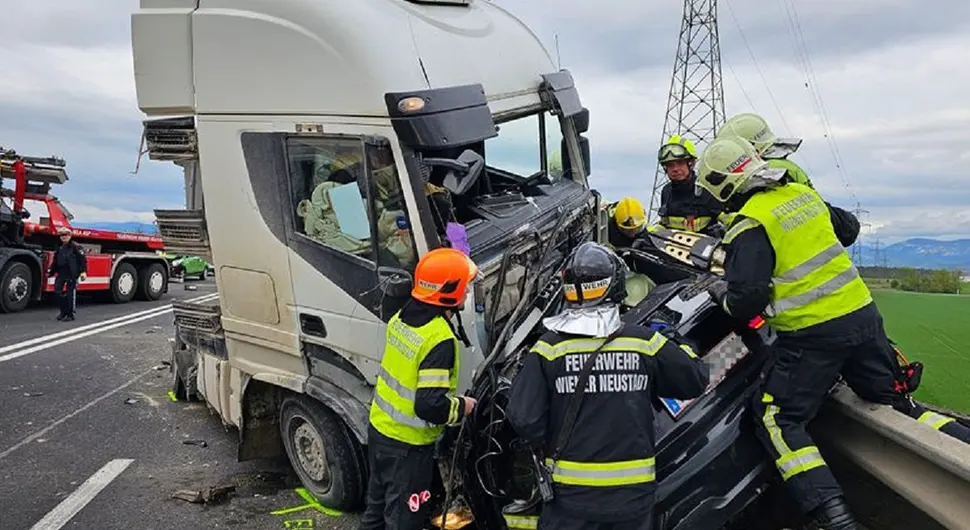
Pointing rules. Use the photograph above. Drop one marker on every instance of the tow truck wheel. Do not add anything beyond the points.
(323, 452)
(152, 282)
(124, 283)
(15, 280)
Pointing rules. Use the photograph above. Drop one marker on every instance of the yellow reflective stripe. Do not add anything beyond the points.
(799, 461)
(434, 378)
(689, 350)
(395, 385)
(789, 462)
(398, 416)
(680, 223)
(453, 410)
(521, 522)
(934, 420)
(726, 218)
(601, 474)
(625, 344)
(801, 271)
(741, 226)
(830, 286)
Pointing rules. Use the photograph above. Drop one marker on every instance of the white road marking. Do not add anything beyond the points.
(75, 502)
(78, 329)
(63, 337)
(45, 430)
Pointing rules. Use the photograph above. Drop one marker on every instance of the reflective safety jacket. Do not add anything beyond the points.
(606, 472)
(414, 396)
(813, 279)
(682, 209)
(795, 172)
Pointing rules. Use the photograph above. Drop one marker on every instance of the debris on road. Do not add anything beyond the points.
(33, 394)
(200, 443)
(207, 495)
(131, 401)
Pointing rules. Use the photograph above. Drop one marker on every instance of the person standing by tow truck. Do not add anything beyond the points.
(682, 205)
(602, 477)
(414, 396)
(787, 259)
(69, 265)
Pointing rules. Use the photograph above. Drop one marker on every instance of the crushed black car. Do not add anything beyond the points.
(710, 465)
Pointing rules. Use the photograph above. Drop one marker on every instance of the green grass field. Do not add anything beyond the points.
(934, 329)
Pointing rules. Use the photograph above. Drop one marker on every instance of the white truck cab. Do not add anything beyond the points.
(326, 146)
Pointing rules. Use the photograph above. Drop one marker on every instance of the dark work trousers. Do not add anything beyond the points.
(940, 422)
(66, 289)
(553, 519)
(794, 389)
(400, 486)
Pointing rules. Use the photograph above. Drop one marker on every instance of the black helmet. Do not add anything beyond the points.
(593, 275)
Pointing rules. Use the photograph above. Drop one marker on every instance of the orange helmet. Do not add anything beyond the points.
(442, 277)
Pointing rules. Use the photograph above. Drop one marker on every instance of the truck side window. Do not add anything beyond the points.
(517, 147)
(330, 201)
(395, 240)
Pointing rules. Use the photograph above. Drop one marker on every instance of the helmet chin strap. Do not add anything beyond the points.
(460, 328)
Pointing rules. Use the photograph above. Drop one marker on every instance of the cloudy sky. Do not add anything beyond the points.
(888, 72)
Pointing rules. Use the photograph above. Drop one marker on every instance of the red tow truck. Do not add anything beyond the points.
(121, 265)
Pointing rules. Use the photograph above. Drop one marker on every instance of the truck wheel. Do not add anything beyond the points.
(151, 282)
(323, 452)
(15, 287)
(124, 283)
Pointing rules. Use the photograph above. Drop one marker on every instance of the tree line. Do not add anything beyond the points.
(916, 280)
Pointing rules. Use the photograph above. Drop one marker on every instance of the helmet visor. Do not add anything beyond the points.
(670, 152)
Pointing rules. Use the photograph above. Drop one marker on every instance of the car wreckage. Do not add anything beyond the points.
(710, 465)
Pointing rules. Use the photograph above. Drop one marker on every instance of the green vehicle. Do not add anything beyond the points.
(190, 267)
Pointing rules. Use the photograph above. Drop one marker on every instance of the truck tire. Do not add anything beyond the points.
(124, 283)
(15, 287)
(152, 281)
(323, 452)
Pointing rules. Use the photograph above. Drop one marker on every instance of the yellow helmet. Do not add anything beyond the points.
(677, 148)
(752, 128)
(629, 214)
(725, 166)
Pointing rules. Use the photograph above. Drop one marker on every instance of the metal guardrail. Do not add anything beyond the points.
(927, 468)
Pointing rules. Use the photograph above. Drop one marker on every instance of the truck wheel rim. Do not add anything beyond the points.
(310, 452)
(155, 282)
(125, 283)
(17, 289)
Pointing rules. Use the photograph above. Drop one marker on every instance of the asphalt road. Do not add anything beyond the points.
(89, 438)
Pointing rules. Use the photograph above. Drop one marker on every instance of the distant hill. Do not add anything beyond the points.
(920, 253)
(136, 227)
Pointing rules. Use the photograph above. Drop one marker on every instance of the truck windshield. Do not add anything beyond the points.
(518, 149)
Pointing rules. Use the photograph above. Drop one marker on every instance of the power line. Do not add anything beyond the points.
(857, 246)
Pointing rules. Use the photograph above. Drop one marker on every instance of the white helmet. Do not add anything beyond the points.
(725, 166)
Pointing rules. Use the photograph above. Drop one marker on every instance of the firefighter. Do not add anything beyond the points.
(69, 265)
(682, 206)
(604, 475)
(628, 220)
(415, 393)
(755, 130)
(786, 259)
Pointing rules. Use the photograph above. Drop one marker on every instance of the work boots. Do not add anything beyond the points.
(834, 514)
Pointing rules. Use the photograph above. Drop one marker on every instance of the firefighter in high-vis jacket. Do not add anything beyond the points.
(682, 207)
(603, 470)
(786, 259)
(415, 394)
(771, 149)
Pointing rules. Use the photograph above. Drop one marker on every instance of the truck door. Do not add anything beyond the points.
(352, 250)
